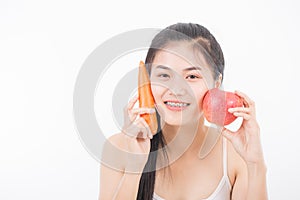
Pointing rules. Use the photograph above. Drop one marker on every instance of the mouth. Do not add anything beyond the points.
(176, 105)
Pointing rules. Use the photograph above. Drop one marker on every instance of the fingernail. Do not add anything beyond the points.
(230, 110)
(152, 110)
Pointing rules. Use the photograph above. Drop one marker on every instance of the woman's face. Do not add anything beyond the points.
(179, 79)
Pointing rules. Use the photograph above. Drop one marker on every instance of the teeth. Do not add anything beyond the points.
(177, 104)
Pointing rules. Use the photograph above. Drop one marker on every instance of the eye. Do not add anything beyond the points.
(193, 76)
(163, 76)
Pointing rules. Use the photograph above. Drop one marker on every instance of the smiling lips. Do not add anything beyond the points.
(176, 105)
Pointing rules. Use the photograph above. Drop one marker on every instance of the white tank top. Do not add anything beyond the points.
(223, 190)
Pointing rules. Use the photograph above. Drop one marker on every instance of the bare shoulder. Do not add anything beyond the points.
(114, 145)
(116, 140)
(113, 152)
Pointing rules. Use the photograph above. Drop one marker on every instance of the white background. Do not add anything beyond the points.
(44, 43)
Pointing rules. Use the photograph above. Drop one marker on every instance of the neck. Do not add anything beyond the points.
(185, 139)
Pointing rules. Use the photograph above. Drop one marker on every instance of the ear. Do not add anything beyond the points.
(218, 82)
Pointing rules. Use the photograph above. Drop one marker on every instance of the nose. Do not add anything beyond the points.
(177, 91)
(178, 87)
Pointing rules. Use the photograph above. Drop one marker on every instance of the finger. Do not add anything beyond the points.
(130, 132)
(143, 110)
(240, 109)
(228, 134)
(148, 130)
(134, 129)
(132, 102)
(138, 129)
(248, 102)
(243, 115)
(141, 128)
(129, 117)
(143, 133)
(140, 135)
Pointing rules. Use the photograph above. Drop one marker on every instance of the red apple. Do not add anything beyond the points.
(216, 103)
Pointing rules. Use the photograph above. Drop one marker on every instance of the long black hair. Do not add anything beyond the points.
(214, 56)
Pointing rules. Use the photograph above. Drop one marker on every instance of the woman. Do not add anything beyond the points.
(185, 61)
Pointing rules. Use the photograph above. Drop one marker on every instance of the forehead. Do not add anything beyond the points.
(180, 54)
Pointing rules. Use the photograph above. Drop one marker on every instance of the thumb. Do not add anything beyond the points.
(227, 134)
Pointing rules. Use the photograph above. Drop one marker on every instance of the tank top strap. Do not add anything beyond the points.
(224, 156)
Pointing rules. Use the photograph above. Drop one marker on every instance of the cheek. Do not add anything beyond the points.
(208, 79)
(199, 92)
(157, 92)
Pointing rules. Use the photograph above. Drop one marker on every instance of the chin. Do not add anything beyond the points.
(180, 120)
(174, 122)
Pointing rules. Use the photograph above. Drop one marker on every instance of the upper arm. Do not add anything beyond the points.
(111, 172)
(240, 184)
(239, 190)
(109, 182)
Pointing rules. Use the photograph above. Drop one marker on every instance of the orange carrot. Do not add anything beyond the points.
(146, 99)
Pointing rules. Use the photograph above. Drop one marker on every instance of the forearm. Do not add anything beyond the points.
(257, 183)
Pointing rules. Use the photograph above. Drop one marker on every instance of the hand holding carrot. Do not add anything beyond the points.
(140, 123)
(146, 98)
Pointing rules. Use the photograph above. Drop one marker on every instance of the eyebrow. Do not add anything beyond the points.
(192, 68)
(186, 69)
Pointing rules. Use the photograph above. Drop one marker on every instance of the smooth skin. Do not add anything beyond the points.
(246, 166)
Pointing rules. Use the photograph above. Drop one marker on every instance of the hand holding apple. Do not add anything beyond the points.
(216, 103)
(246, 140)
